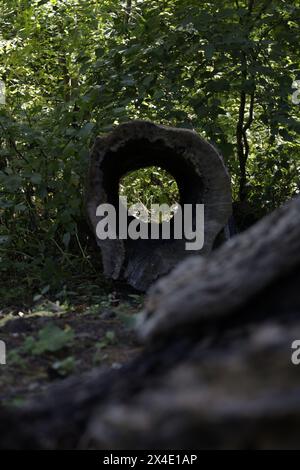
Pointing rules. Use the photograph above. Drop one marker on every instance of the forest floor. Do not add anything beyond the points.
(51, 340)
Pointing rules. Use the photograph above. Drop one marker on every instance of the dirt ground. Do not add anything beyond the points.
(52, 341)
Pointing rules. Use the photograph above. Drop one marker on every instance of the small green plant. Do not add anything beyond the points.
(109, 338)
(51, 338)
(14, 358)
(64, 367)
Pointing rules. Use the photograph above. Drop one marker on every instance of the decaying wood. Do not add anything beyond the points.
(204, 288)
(201, 177)
(221, 378)
(241, 393)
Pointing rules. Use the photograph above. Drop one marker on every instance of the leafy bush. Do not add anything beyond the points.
(147, 186)
(76, 69)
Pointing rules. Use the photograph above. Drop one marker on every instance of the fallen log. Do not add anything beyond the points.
(206, 288)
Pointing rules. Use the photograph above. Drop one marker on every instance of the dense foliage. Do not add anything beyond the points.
(147, 186)
(75, 68)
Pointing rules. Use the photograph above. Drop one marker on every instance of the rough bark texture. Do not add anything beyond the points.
(200, 289)
(221, 378)
(201, 177)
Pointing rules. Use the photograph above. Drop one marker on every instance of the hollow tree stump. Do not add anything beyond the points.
(201, 178)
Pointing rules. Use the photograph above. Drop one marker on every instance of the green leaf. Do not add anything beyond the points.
(86, 129)
(50, 339)
(208, 51)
